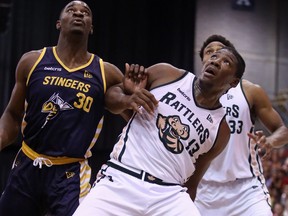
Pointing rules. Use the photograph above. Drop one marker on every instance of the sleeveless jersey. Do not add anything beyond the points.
(240, 158)
(168, 142)
(64, 107)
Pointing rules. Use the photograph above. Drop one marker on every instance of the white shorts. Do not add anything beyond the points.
(121, 194)
(243, 197)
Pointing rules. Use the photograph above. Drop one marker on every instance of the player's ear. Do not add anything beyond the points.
(58, 25)
(91, 30)
(235, 82)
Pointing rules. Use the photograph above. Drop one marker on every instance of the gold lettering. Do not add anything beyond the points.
(87, 87)
(68, 83)
(74, 84)
(80, 86)
(61, 81)
(52, 80)
(46, 80)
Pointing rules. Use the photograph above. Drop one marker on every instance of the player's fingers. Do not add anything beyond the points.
(127, 72)
(259, 133)
(135, 107)
(267, 154)
(142, 72)
(252, 136)
(148, 101)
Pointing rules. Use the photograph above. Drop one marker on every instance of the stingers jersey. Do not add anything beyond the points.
(239, 159)
(168, 142)
(64, 106)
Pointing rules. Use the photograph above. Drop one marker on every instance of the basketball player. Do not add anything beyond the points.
(234, 183)
(61, 91)
(157, 153)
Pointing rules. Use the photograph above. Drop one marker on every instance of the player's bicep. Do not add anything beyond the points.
(265, 111)
(113, 75)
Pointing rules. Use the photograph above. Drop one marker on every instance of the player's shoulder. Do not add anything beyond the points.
(31, 56)
(254, 92)
(251, 88)
(28, 60)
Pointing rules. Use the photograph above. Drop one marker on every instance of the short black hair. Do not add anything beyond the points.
(240, 61)
(214, 38)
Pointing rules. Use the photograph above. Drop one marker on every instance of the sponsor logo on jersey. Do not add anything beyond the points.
(182, 93)
(52, 69)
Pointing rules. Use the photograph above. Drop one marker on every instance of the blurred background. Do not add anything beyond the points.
(152, 31)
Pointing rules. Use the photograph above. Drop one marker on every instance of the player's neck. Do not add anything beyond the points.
(204, 96)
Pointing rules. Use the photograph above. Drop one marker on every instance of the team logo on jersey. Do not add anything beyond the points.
(229, 96)
(54, 105)
(87, 74)
(171, 132)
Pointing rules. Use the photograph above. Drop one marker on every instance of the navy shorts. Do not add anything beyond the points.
(33, 191)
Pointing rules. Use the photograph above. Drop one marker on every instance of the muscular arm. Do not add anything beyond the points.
(267, 115)
(114, 78)
(204, 160)
(11, 119)
(117, 101)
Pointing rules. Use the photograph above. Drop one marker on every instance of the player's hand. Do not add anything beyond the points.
(135, 78)
(142, 98)
(264, 146)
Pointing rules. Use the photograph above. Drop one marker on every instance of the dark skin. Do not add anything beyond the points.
(75, 26)
(261, 108)
(217, 76)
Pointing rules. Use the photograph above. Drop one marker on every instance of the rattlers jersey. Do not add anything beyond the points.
(64, 106)
(239, 159)
(168, 142)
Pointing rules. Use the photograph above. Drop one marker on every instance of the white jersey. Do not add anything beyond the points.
(240, 158)
(168, 142)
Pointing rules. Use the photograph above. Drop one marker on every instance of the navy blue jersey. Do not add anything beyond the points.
(65, 106)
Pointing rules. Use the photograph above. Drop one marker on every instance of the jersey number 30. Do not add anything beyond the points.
(84, 102)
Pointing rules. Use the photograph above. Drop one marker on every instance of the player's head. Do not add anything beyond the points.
(240, 61)
(222, 70)
(212, 44)
(77, 16)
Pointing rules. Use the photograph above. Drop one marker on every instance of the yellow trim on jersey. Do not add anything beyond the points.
(103, 74)
(35, 64)
(85, 175)
(54, 160)
(88, 153)
(71, 69)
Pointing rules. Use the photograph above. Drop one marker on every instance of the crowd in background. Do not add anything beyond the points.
(276, 173)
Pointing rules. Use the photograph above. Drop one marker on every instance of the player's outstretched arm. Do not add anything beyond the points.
(270, 118)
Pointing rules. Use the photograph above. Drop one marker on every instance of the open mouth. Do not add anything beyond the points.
(210, 69)
(78, 21)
